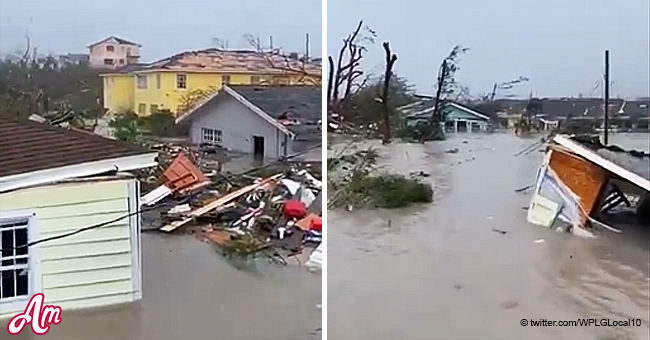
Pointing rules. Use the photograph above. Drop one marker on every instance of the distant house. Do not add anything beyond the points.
(113, 52)
(53, 182)
(73, 59)
(458, 117)
(265, 121)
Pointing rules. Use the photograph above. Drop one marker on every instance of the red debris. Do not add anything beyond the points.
(295, 209)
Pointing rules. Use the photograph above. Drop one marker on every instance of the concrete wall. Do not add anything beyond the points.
(93, 268)
(168, 96)
(238, 125)
(119, 92)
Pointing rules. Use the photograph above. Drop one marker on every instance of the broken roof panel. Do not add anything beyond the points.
(183, 176)
(27, 146)
(231, 61)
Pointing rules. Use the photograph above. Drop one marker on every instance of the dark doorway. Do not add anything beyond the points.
(258, 147)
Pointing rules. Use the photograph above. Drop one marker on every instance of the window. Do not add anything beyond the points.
(110, 48)
(121, 61)
(142, 108)
(14, 268)
(128, 51)
(255, 80)
(211, 136)
(181, 81)
(225, 79)
(142, 81)
(153, 108)
(108, 61)
(158, 81)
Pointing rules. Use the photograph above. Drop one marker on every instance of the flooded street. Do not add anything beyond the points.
(439, 271)
(191, 292)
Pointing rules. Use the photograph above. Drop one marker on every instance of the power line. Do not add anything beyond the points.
(105, 223)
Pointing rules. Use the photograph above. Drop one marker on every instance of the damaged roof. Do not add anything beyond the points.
(27, 146)
(275, 103)
(233, 61)
(126, 69)
(301, 102)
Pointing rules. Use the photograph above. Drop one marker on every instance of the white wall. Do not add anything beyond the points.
(93, 268)
(238, 125)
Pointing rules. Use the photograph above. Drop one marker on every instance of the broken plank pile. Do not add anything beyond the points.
(242, 214)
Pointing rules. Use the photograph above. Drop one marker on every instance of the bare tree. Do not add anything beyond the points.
(287, 65)
(346, 72)
(391, 58)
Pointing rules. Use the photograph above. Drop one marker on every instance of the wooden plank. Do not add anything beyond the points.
(216, 204)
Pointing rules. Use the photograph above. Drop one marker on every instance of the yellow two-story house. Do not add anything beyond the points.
(171, 83)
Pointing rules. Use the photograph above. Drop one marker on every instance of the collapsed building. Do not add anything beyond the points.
(582, 181)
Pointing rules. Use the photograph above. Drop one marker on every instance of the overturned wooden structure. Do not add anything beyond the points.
(575, 184)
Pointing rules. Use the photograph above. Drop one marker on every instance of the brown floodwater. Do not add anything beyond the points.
(439, 271)
(192, 293)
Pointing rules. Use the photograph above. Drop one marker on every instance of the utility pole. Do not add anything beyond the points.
(307, 47)
(605, 140)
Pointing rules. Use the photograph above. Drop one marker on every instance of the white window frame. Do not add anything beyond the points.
(17, 304)
(143, 85)
(179, 82)
(211, 136)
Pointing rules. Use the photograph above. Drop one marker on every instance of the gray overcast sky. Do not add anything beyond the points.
(558, 44)
(162, 27)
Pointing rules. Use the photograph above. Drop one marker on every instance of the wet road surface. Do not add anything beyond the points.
(439, 271)
(191, 293)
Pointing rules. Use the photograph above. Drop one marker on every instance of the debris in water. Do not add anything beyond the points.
(579, 180)
(502, 232)
(419, 174)
(458, 286)
(454, 150)
(524, 188)
(541, 240)
(354, 183)
(509, 304)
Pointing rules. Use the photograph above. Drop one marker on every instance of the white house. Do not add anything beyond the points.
(69, 221)
(113, 52)
(265, 121)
